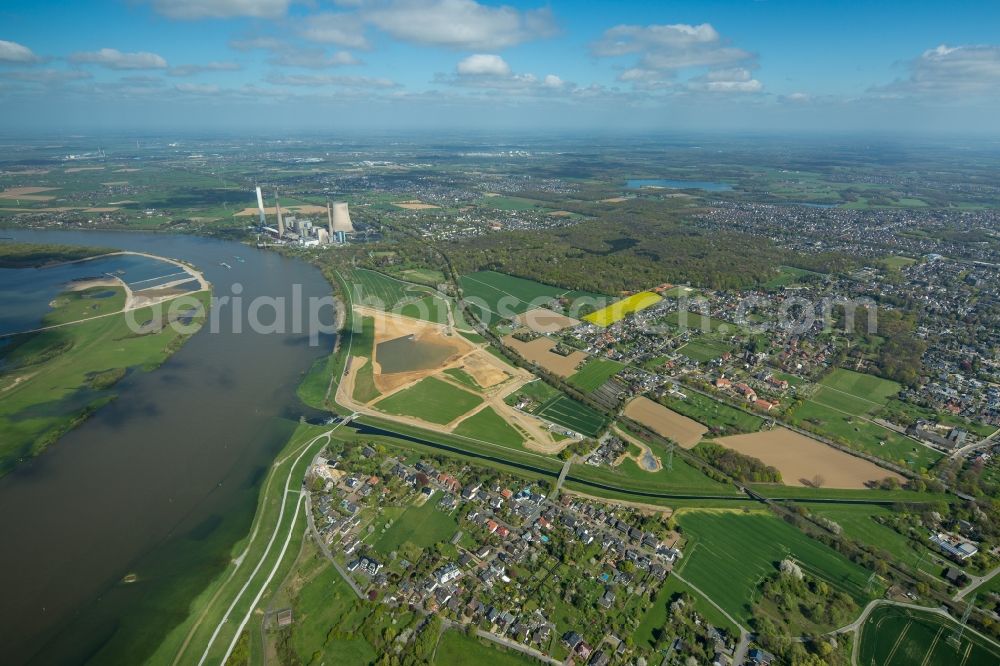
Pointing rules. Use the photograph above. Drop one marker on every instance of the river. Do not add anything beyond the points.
(161, 483)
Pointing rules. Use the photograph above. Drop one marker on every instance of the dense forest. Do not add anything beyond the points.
(638, 246)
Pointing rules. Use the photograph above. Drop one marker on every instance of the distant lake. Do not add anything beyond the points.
(707, 185)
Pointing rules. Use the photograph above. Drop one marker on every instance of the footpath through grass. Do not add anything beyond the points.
(187, 642)
(730, 553)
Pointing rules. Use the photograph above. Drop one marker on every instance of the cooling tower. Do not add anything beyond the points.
(260, 207)
(342, 218)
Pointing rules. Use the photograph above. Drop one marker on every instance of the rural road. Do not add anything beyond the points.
(326, 551)
(287, 492)
(976, 581)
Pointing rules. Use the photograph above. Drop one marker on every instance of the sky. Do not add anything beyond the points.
(627, 66)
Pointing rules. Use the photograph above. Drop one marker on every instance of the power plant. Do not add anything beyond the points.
(291, 229)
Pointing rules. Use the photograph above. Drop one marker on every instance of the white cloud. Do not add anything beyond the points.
(956, 71)
(553, 81)
(14, 52)
(459, 24)
(313, 59)
(625, 39)
(798, 97)
(664, 50)
(190, 70)
(46, 75)
(254, 43)
(115, 59)
(483, 64)
(200, 9)
(341, 29)
(330, 80)
(197, 88)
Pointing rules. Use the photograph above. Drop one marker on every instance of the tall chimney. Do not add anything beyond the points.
(281, 222)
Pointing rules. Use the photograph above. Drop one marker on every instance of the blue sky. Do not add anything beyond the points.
(398, 64)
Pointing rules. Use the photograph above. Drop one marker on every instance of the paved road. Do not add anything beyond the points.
(984, 442)
(326, 550)
(976, 581)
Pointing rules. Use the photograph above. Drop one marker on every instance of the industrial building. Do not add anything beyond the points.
(293, 230)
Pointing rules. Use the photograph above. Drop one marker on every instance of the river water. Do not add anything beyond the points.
(160, 483)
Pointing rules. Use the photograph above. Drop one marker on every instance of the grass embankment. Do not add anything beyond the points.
(187, 642)
(52, 380)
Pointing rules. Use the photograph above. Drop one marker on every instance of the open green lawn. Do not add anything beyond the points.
(897, 262)
(463, 378)
(864, 435)
(92, 302)
(383, 292)
(682, 479)
(457, 649)
(789, 275)
(487, 425)
(858, 522)
(423, 526)
(594, 373)
(362, 344)
(654, 621)
(729, 553)
(432, 400)
(694, 320)
(713, 413)
(703, 350)
(893, 636)
(53, 379)
(571, 414)
(867, 387)
(326, 601)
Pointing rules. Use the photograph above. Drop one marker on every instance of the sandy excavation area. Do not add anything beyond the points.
(304, 209)
(414, 205)
(803, 461)
(540, 351)
(28, 193)
(496, 378)
(543, 320)
(389, 327)
(666, 422)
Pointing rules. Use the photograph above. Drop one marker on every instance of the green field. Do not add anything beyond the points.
(788, 275)
(571, 414)
(713, 413)
(698, 321)
(463, 378)
(362, 344)
(92, 302)
(593, 373)
(655, 618)
(382, 292)
(683, 478)
(858, 522)
(513, 203)
(487, 425)
(423, 526)
(505, 295)
(868, 388)
(894, 636)
(729, 553)
(457, 649)
(52, 380)
(704, 350)
(430, 399)
(864, 435)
